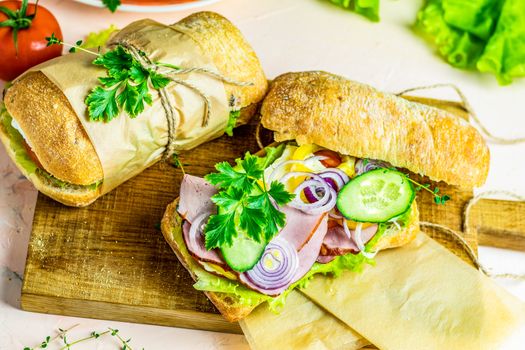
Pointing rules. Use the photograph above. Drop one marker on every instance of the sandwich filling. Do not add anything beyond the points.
(338, 211)
(28, 160)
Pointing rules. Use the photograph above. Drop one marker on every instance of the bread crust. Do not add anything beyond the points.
(355, 119)
(69, 197)
(53, 130)
(219, 38)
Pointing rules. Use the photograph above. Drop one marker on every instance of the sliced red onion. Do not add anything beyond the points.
(362, 165)
(323, 204)
(358, 239)
(288, 162)
(334, 179)
(196, 234)
(277, 266)
(339, 172)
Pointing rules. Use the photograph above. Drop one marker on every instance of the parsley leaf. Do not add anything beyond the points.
(244, 202)
(279, 193)
(126, 88)
(112, 5)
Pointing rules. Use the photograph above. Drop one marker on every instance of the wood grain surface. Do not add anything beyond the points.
(110, 260)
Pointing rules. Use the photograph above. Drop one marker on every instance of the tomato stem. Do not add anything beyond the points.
(18, 19)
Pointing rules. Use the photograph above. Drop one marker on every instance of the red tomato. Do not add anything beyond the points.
(32, 45)
(333, 159)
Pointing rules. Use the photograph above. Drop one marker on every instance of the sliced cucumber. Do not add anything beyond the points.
(376, 196)
(244, 253)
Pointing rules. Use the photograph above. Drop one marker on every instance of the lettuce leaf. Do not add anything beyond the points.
(100, 38)
(504, 54)
(460, 48)
(17, 142)
(483, 35)
(367, 8)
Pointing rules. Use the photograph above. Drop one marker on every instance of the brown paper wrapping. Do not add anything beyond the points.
(127, 146)
(422, 296)
(301, 325)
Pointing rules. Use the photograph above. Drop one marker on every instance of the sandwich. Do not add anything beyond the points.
(332, 193)
(46, 130)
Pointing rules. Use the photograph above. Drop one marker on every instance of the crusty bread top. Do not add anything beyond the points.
(220, 39)
(355, 119)
(53, 129)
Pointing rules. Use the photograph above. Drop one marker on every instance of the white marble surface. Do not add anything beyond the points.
(288, 35)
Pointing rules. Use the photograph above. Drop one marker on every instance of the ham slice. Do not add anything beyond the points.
(336, 242)
(198, 249)
(307, 257)
(195, 197)
(299, 227)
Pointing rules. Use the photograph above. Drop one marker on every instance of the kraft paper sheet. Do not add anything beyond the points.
(420, 296)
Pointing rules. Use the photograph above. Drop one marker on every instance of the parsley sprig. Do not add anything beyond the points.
(126, 86)
(245, 202)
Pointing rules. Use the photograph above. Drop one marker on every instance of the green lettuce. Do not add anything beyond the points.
(483, 35)
(100, 38)
(367, 8)
(16, 142)
(504, 54)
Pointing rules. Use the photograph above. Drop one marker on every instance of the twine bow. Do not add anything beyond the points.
(173, 73)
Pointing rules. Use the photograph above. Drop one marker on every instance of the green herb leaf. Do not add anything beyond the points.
(244, 202)
(220, 230)
(112, 5)
(128, 83)
(102, 104)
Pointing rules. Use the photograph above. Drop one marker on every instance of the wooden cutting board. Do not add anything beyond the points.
(110, 260)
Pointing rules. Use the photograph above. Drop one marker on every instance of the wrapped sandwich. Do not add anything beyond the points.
(328, 197)
(77, 131)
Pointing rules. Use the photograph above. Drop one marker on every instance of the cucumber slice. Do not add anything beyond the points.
(376, 196)
(244, 253)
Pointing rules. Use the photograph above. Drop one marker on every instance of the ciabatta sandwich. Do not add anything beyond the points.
(327, 198)
(44, 123)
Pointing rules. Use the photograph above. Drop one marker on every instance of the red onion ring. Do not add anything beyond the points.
(277, 266)
(324, 204)
(197, 228)
(371, 164)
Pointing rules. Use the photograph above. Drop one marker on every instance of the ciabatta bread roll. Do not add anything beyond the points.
(356, 119)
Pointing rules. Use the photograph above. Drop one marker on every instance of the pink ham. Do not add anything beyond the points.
(307, 257)
(336, 242)
(299, 227)
(195, 197)
(197, 248)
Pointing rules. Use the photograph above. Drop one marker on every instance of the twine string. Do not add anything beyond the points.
(458, 238)
(173, 74)
(468, 108)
